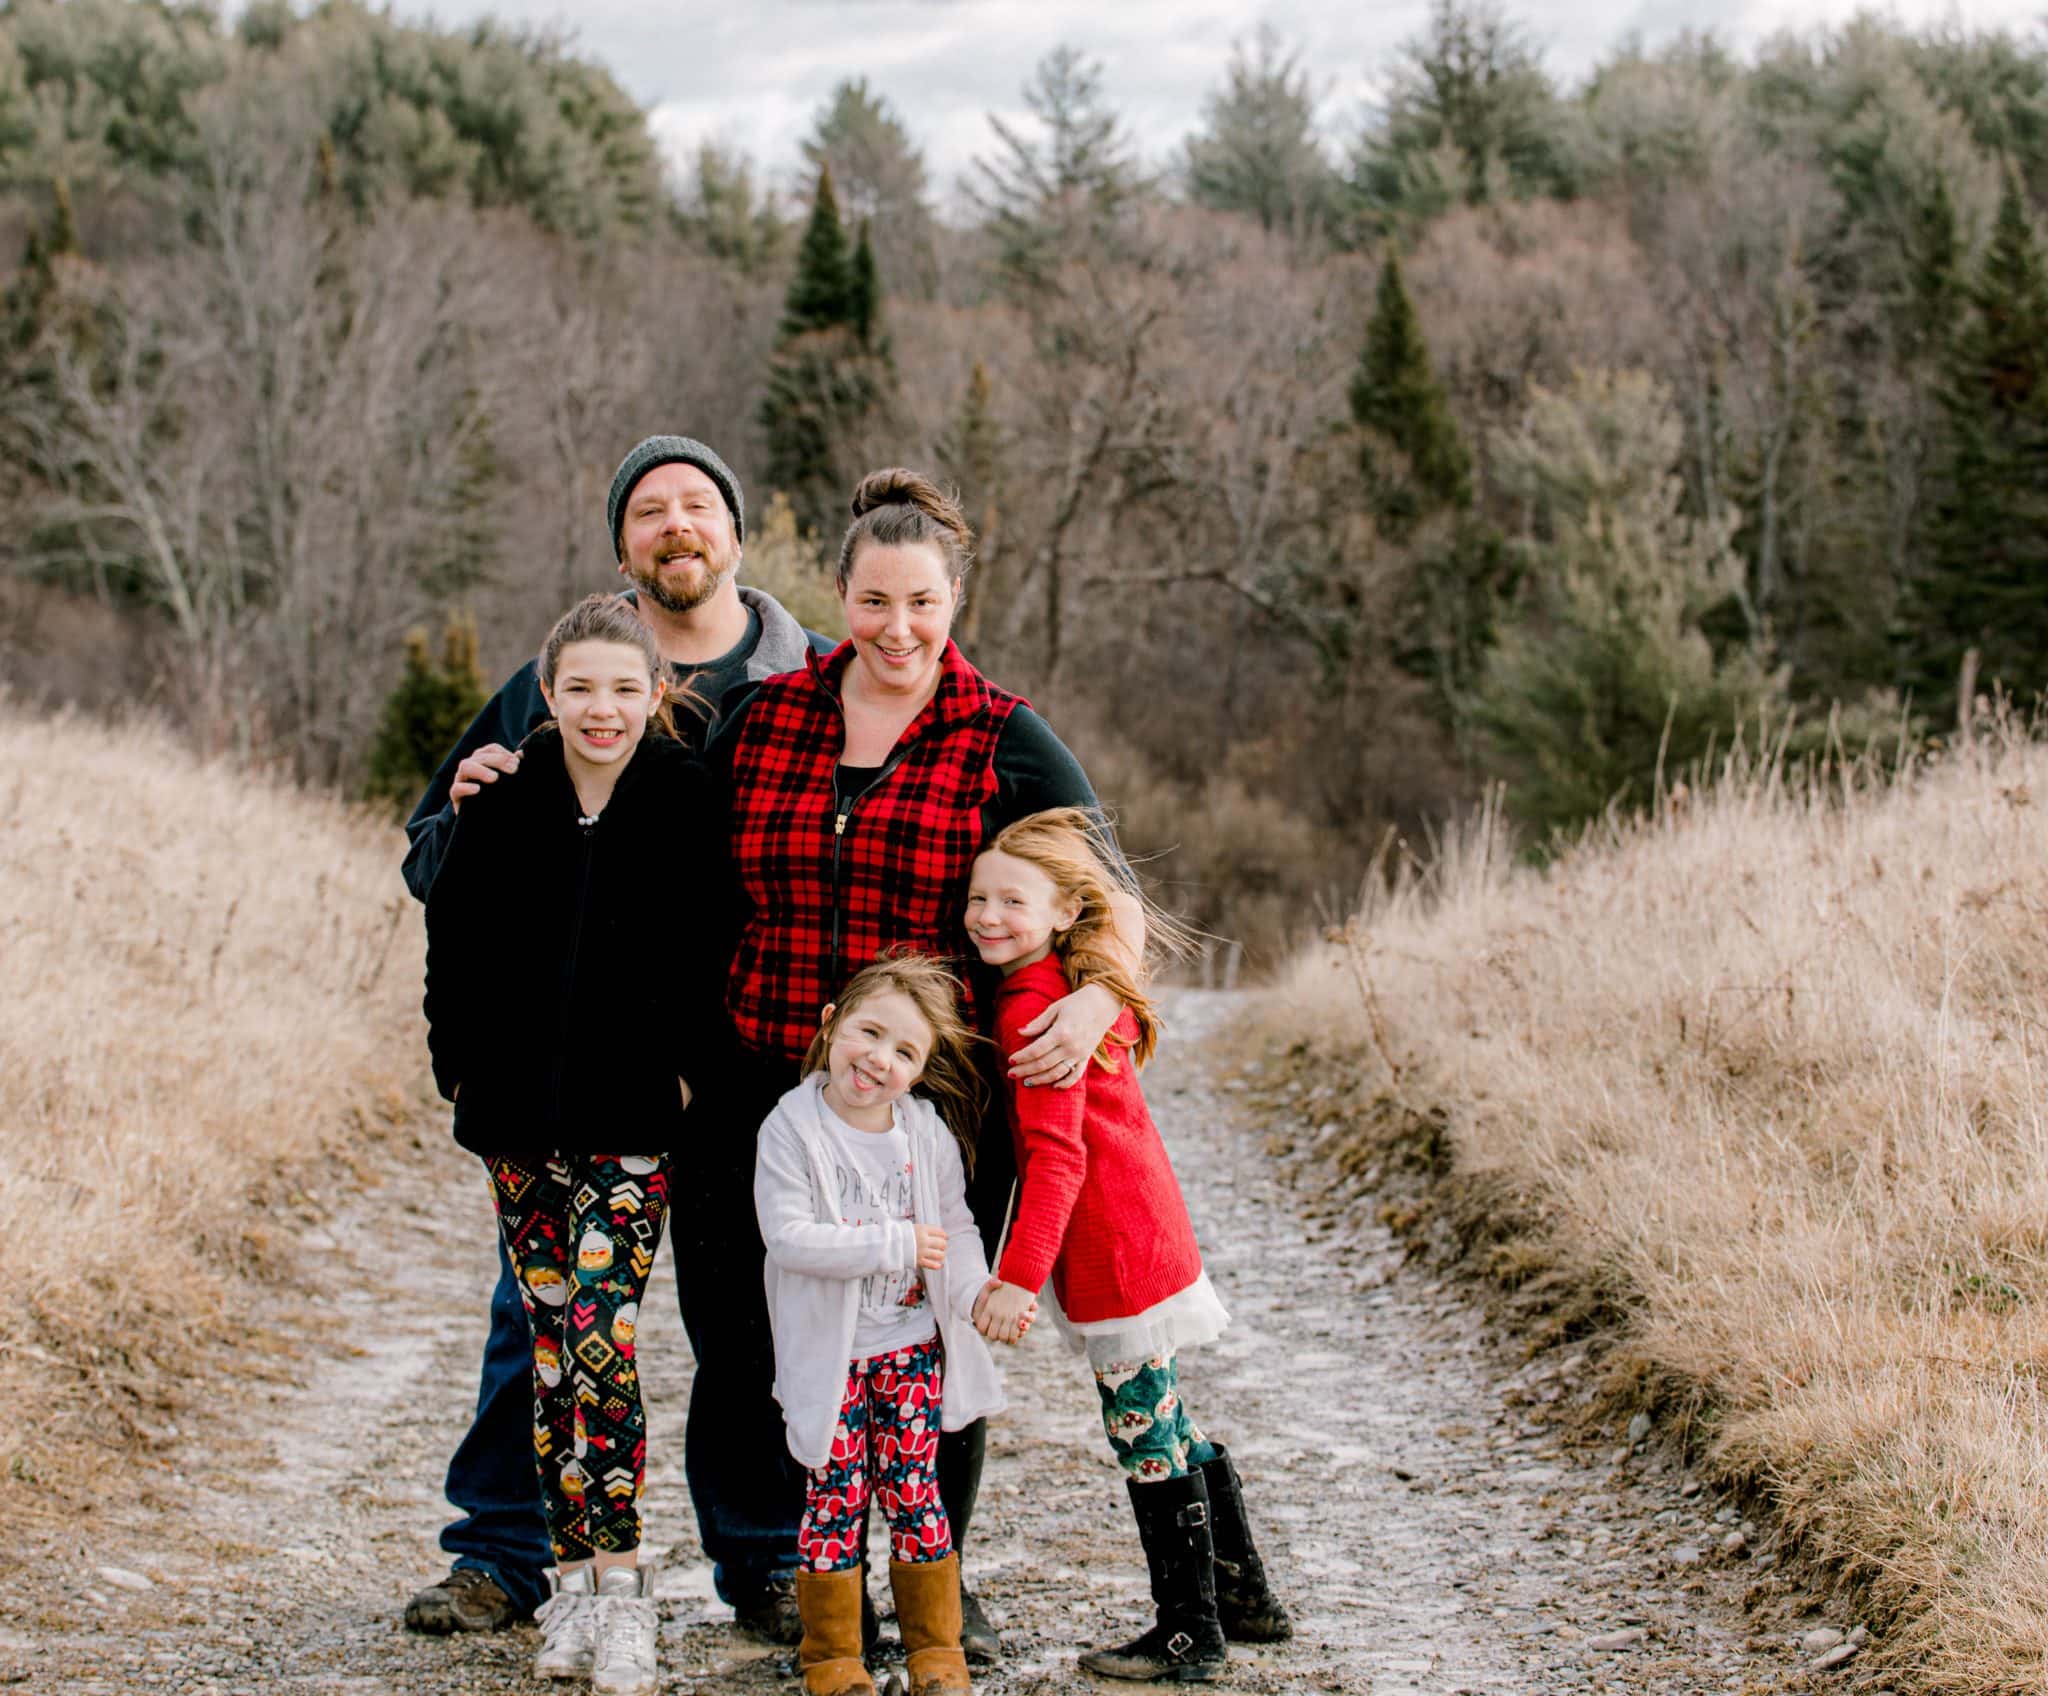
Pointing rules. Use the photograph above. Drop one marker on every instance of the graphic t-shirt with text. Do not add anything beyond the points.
(871, 1181)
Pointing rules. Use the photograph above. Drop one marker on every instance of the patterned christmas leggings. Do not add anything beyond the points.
(582, 1231)
(888, 1432)
(1147, 1422)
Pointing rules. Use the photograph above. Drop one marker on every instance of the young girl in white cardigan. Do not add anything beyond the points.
(875, 1273)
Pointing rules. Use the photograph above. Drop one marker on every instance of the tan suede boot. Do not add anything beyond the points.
(928, 1617)
(829, 1603)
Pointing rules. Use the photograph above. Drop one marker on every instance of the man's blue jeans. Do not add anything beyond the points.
(747, 1491)
(492, 1477)
(746, 1487)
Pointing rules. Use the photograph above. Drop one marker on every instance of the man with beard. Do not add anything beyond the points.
(677, 517)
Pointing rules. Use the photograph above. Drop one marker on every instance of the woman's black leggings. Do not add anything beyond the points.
(960, 1456)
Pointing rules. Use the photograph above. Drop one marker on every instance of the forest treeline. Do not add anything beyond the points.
(1525, 433)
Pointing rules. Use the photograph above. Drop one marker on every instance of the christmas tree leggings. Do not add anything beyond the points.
(889, 1433)
(582, 1231)
(1146, 1420)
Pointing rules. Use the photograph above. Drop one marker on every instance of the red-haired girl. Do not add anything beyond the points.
(1100, 1217)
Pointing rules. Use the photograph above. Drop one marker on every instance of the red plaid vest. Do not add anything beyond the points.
(895, 874)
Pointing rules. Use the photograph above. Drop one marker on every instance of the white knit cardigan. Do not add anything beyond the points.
(815, 1265)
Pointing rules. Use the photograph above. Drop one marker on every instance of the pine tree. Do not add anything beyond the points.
(1258, 153)
(879, 178)
(821, 293)
(1605, 672)
(1468, 113)
(430, 707)
(1935, 260)
(1415, 468)
(865, 293)
(1412, 458)
(1046, 195)
(832, 378)
(1984, 584)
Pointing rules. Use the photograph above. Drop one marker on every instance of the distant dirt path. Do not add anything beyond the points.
(1427, 1538)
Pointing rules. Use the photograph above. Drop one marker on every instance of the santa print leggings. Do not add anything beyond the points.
(888, 1433)
(582, 1231)
(1146, 1421)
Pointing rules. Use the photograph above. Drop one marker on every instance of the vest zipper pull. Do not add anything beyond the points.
(839, 825)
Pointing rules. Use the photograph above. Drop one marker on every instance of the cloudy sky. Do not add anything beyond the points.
(753, 74)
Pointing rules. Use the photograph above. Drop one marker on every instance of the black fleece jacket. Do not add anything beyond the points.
(566, 990)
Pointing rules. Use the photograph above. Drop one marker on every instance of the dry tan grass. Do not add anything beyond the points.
(211, 995)
(1765, 1078)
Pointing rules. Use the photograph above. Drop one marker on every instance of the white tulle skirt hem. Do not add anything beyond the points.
(1193, 1316)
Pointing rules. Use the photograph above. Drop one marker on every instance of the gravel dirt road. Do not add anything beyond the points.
(1429, 1530)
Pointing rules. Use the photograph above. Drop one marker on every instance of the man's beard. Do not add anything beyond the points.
(686, 596)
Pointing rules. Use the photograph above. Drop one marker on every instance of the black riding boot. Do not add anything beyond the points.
(1245, 1604)
(1186, 1646)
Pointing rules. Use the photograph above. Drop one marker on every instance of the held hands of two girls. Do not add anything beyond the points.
(1003, 1312)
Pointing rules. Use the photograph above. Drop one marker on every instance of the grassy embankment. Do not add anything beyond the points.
(1758, 1088)
(208, 1017)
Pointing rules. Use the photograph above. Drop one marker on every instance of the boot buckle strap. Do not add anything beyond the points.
(1195, 1513)
(1179, 1644)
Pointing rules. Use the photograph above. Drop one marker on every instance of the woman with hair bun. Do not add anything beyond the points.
(862, 788)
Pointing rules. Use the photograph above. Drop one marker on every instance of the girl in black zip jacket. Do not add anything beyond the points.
(568, 1032)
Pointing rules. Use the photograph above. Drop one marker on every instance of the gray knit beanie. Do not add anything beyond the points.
(673, 450)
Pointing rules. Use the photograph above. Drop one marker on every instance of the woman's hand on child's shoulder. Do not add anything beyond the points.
(1067, 1033)
(931, 1247)
(1003, 1312)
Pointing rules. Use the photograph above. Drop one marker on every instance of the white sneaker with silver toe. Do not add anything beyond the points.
(628, 1634)
(568, 1624)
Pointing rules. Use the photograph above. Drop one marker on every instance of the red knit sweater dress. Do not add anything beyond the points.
(1098, 1208)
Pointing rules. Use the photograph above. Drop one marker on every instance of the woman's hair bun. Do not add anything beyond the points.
(898, 485)
(898, 507)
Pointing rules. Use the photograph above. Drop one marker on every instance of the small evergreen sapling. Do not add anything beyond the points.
(432, 704)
